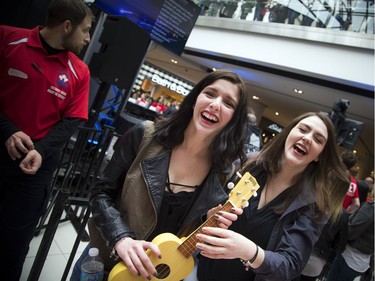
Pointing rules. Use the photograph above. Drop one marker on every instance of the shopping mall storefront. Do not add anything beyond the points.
(153, 83)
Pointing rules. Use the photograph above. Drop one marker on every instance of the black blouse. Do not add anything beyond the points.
(255, 224)
(173, 210)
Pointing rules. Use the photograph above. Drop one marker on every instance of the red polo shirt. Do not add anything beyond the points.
(37, 89)
(352, 193)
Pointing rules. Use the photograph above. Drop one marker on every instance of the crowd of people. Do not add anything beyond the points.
(161, 105)
(306, 13)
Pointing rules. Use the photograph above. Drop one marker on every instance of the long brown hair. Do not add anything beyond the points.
(229, 143)
(325, 179)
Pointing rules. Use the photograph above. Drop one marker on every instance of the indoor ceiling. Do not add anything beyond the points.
(275, 92)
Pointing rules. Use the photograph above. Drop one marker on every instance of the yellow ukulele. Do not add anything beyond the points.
(177, 261)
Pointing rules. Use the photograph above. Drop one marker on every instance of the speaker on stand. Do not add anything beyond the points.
(124, 46)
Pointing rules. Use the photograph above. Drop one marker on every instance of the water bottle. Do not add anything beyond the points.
(92, 266)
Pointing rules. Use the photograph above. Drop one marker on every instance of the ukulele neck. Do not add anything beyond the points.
(188, 247)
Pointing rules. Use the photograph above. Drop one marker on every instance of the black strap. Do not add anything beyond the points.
(168, 184)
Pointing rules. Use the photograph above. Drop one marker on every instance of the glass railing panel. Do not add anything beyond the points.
(345, 15)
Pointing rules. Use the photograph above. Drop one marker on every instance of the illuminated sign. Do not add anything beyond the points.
(162, 78)
(275, 127)
(170, 85)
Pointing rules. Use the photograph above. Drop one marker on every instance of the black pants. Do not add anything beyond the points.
(23, 199)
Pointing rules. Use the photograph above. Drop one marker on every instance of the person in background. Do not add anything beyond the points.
(302, 182)
(355, 260)
(253, 142)
(172, 108)
(331, 243)
(370, 183)
(136, 94)
(260, 9)
(43, 99)
(363, 191)
(351, 201)
(165, 176)
(142, 100)
(369, 274)
(159, 104)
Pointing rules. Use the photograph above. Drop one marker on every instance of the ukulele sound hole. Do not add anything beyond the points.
(163, 271)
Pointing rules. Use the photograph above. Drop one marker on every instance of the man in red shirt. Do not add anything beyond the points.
(43, 98)
(351, 200)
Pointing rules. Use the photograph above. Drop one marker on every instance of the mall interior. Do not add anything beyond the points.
(290, 68)
(295, 56)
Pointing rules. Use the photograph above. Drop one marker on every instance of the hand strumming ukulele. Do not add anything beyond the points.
(177, 261)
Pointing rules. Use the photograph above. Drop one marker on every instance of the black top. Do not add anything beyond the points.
(48, 48)
(363, 190)
(173, 209)
(257, 225)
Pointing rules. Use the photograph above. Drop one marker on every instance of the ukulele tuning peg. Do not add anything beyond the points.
(255, 192)
(238, 174)
(246, 204)
(230, 185)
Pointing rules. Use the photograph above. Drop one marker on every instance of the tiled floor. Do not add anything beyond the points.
(58, 255)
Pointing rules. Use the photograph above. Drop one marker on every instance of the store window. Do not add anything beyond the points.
(157, 90)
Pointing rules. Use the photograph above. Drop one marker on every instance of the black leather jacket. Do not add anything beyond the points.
(333, 239)
(126, 199)
(361, 228)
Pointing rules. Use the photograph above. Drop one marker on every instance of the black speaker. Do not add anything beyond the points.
(24, 13)
(123, 48)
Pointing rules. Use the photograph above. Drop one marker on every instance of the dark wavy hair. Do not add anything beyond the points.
(326, 179)
(228, 144)
(73, 10)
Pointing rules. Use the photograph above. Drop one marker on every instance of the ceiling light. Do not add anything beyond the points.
(174, 61)
(298, 91)
(276, 113)
(255, 97)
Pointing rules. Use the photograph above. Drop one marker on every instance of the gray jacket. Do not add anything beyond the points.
(291, 241)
